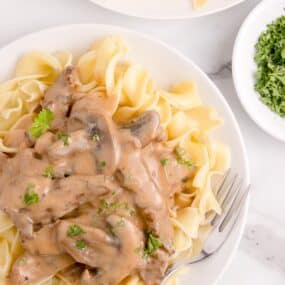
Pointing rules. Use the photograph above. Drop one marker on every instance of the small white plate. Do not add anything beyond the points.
(165, 9)
(167, 66)
(244, 67)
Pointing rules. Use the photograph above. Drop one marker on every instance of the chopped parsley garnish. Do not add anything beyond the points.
(270, 60)
(100, 211)
(114, 193)
(102, 164)
(132, 212)
(153, 243)
(41, 123)
(108, 206)
(74, 231)
(105, 204)
(96, 138)
(164, 161)
(80, 244)
(111, 230)
(63, 137)
(114, 205)
(49, 172)
(30, 196)
(182, 158)
(121, 223)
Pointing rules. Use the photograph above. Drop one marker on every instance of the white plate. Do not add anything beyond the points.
(165, 9)
(244, 67)
(167, 66)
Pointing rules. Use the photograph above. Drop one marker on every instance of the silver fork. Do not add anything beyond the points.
(231, 194)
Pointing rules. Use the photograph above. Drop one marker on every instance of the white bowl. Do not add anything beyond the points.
(244, 67)
(167, 66)
(165, 9)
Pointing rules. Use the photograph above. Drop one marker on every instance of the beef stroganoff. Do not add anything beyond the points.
(105, 178)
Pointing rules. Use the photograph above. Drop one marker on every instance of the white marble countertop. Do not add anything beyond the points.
(209, 42)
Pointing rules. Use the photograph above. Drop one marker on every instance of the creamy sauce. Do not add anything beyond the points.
(112, 184)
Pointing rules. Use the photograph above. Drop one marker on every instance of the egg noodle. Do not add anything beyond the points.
(199, 3)
(104, 71)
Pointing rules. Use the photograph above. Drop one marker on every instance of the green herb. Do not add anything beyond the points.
(132, 212)
(80, 244)
(74, 231)
(114, 193)
(31, 197)
(164, 161)
(102, 164)
(121, 223)
(63, 137)
(41, 123)
(111, 230)
(114, 205)
(270, 60)
(49, 172)
(182, 158)
(99, 211)
(105, 203)
(153, 243)
(96, 138)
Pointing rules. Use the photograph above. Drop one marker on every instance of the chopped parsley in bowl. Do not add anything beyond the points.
(270, 60)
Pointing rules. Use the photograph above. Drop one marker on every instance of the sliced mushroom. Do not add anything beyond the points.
(30, 269)
(104, 251)
(142, 173)
(146, 127)
(58, 97)
(101, 130)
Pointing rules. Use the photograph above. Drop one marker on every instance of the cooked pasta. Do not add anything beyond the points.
(129, 90)
(199, 3)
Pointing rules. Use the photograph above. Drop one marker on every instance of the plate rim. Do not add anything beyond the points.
(179, 54)
(170, 17)
(237, 45)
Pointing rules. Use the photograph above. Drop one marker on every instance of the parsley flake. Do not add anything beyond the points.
(63, 137)
(132, 212)
(121, 223)
(182, 158)
(102, 164)
(105, 203)
(30, 196)
(80, 244)
(164, 161)
(49, 172)
(41, 123)
(153, 243)
(96, 138)
(74, 231)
